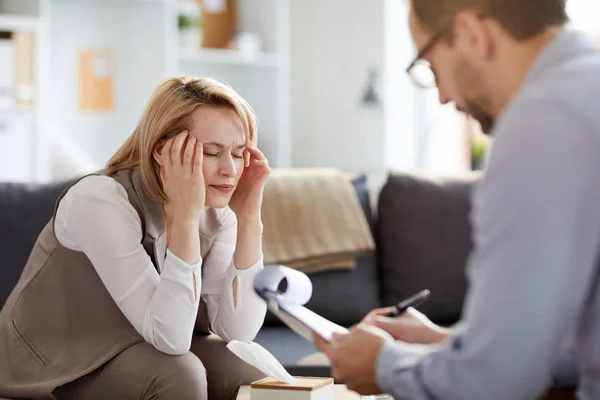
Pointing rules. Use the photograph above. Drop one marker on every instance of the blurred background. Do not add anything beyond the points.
(325, 77)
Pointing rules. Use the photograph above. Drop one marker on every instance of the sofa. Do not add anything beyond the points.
(422, 238)
(421, 229)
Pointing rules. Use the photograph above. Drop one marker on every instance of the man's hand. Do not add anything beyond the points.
(410, 327)
(354, 355)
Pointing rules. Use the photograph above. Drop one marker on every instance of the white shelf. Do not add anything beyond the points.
(224, 56)
(19, 23)
(18, 113)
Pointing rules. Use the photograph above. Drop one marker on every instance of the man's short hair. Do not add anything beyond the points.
(522, 19)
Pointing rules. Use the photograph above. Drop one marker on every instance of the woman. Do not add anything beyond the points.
(143, 260)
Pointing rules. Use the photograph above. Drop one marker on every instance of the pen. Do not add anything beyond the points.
(412, 301)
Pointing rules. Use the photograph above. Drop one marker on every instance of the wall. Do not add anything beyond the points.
(333, 44)
(403, 117)
(137, 31)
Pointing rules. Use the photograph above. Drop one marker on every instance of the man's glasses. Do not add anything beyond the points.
(420, 70)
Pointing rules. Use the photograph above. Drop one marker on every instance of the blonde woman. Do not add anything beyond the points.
(146, 269)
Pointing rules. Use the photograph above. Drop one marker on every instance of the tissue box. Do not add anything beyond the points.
(304, 389)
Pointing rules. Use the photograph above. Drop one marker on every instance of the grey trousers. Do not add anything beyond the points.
(209, 371)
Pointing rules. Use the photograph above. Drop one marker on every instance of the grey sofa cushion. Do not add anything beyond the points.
(24, 210)
(424, 240)
(345, 296)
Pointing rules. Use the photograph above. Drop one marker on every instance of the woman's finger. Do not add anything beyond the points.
(264, 166)
(246, 157)
(188, 155)
(177, 146)
(246, 152)
(256, 153)
(199, 155)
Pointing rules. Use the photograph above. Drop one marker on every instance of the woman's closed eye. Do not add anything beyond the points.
(240, 156)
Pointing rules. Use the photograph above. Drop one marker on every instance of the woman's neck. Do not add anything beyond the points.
(168, 212)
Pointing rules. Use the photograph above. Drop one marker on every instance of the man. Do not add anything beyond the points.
(532, 83)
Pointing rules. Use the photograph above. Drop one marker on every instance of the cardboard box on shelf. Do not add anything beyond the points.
(219, 22)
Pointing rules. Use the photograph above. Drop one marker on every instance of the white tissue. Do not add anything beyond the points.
(257, 356)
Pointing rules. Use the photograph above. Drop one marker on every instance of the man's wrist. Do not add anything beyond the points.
(439, 334)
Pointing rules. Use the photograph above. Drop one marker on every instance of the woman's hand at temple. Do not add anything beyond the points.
(247, 198)
(183, 183)
(181, 175)
(246, 203)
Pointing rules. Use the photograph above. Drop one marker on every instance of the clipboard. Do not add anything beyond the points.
(297, 317)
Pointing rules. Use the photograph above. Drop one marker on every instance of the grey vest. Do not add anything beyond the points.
(60, 323)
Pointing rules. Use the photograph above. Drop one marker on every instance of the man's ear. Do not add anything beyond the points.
(473, 37)
(156, 152)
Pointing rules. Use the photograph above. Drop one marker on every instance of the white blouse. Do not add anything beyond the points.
(96, 218)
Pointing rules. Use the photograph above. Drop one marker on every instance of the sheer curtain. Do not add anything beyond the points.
(445, 146)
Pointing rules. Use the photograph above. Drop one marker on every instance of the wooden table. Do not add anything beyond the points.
(341, 393)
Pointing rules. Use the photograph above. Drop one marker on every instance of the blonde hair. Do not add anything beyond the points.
(167, 113)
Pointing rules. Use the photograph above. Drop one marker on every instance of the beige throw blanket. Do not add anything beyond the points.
(313, 220)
